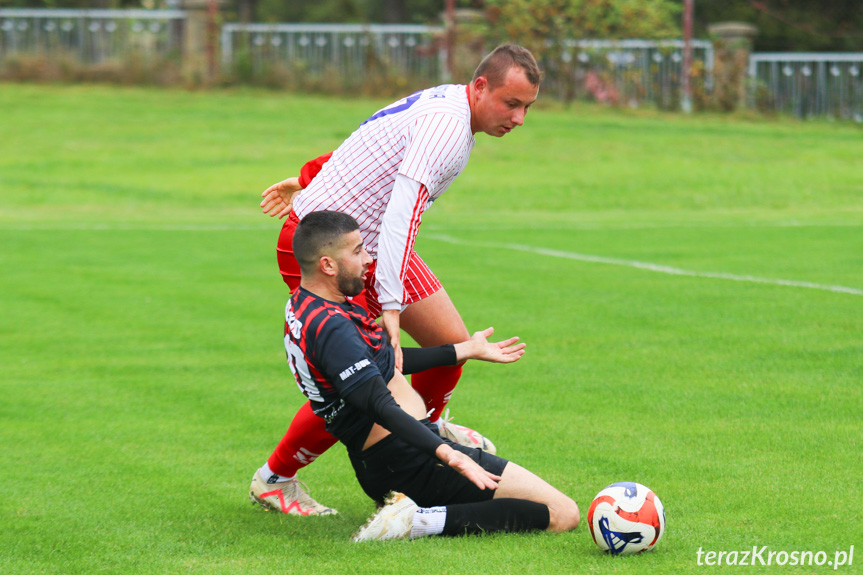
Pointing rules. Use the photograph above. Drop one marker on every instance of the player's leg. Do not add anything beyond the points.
(522, 502)
(274, 486)
(434, 320)
(437, 500)
(401, 518)
(306, 440)
(519, 483)
(441, 485)
(431, 319)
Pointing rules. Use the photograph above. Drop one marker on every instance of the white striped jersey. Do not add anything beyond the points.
(425, 138)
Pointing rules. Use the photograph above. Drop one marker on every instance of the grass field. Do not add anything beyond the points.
(690, 289)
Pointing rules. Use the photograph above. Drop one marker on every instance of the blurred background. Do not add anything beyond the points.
(773, 56)
(689, 285)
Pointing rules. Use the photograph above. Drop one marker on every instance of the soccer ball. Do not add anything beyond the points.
(626, 518)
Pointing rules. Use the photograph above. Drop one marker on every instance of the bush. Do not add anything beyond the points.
(133, 69)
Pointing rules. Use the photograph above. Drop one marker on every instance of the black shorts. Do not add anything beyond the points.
(392, 464)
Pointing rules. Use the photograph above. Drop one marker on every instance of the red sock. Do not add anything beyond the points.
(306, 439)
(435, 386)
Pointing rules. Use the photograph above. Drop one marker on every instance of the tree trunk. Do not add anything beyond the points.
(247, 10)
(394, 11)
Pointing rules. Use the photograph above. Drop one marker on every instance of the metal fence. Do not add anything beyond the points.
(630, 72)
(625, 72)
(808, 84)
(92, 36)
(345, 49)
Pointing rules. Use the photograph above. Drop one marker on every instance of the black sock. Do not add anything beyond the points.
(510, 515)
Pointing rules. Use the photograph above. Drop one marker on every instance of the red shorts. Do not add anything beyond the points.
(420, 281)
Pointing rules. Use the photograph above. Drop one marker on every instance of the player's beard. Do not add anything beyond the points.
(349, 285)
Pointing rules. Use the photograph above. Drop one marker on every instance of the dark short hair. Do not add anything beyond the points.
(495, 66)
(318, 232)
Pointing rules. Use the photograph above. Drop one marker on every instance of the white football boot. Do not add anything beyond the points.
(464, 435)
(392, 521)
(286, 497)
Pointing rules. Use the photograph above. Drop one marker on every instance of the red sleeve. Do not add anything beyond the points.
(311, 169)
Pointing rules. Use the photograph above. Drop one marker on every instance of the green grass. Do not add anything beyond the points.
(142, 375)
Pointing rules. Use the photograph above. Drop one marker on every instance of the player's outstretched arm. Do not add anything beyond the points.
(279, 197)
(478, 347)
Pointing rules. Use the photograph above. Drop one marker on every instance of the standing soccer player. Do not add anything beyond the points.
(385, 175)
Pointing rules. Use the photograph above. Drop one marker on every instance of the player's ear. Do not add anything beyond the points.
(328, 266)
(480, 85)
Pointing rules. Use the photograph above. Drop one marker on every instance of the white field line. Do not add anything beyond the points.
(204, 227)
(654, 226)
(227, 226)
(645, 265)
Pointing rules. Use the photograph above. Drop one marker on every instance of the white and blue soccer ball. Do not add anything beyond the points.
(626, 518)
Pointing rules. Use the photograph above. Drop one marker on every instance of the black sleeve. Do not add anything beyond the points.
(375, 399)
(418, 359)
(342, 355)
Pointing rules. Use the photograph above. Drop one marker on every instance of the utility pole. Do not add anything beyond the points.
(686, 97)
(450, 38)
(212, 38)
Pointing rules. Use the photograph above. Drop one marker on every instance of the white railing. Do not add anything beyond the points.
(92, 36)
(629, 72)
(634, 72)
(346, 49)
(808, 84)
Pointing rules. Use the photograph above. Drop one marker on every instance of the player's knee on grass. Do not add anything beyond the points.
(520, 483)
(563, 515)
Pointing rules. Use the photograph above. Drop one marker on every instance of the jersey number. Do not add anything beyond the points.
(409, 101)
(300, 369)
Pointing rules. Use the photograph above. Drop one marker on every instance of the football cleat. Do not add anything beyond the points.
(392, 521)
(464, 435)
(286, 496)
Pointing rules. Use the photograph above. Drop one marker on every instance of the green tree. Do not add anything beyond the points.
(790, 25)
(548, 27)
(362, 11)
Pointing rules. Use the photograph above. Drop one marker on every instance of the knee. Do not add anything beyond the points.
(563, 516)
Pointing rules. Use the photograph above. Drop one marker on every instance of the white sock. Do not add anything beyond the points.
(271, 476)
(428, 521)
(438, 422)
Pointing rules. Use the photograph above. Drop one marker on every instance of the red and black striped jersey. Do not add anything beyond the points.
(332, 348)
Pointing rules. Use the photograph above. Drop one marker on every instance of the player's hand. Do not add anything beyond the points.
(390, 323)
(478, 347)
(467, 467)
(279, 198)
